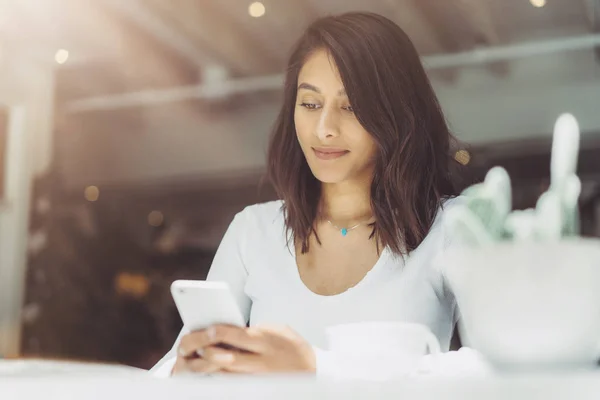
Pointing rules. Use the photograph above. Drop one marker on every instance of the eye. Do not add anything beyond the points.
(309, 106)
(349, 109)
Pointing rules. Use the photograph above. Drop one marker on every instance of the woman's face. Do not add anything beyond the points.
(336, 146)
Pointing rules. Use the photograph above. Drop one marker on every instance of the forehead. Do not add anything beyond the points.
(320, 70)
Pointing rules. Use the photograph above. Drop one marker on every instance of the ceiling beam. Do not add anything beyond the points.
(418, 26)
(262, 38)
(208, 27)
(478, 16)
(140, 15)
(463, 25)
(275, 82)
(445, 23)
(592, 10)
(283, 24)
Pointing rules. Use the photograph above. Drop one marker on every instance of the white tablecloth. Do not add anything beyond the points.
(76, 382)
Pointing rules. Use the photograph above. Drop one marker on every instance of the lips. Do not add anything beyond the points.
(329, 153)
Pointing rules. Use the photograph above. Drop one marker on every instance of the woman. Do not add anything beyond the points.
(360, 156)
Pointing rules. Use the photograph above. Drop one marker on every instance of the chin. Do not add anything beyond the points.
(329, 176)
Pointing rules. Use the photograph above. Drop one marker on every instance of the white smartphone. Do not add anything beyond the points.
(205, 303)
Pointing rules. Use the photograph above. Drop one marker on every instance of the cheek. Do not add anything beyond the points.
(303, 128)
(372, 149)
(362, 143)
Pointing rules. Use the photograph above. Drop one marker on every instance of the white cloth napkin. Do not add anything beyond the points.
(464, 362)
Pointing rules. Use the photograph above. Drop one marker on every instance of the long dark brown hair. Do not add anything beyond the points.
(393, 100)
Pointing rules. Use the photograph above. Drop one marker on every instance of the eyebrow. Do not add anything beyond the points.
(308, 86)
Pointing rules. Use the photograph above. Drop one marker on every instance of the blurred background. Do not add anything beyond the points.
(131, 132)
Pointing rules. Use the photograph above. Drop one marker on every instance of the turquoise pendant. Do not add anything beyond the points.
(344, 231)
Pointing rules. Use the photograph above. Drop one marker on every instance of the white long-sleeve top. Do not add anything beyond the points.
(255, 260)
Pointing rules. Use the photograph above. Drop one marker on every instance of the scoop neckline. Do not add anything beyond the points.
(368, 276)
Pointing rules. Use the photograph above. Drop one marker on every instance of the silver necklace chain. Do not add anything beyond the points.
(344, 231)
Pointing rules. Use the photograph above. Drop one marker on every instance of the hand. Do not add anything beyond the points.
(189, 354)
(261, 349)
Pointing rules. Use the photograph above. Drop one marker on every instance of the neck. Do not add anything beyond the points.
(346, 203)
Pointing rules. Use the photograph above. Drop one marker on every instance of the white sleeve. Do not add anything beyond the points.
(442, 242)
(447, 243)
(227, 266)
(163, 368)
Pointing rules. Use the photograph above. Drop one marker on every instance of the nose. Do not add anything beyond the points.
(328, 124)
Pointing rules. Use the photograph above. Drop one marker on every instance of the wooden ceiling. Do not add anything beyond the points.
(205, 32)
(222, 32)
(126, 45)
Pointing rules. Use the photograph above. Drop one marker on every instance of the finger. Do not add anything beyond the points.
(192, 344)
(200, 365)
(180, 366)
(240, 338)
(248, 364)
(219, 356)
(232, 361)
